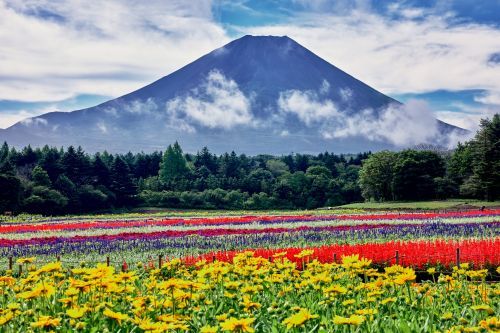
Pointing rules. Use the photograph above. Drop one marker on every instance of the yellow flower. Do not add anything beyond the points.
(115, 315)
(480, 274)
(6, 318)
(483, 307)
(80, 325)
(50, 267)
(41, 289)
(465, 265)
(25, 260)
(447, 316)
(351, 320)
(367, 312)
(248, 304)
(407, 276)
(221, 317)
(7, 280)
(491, 323)
(46, 321)
(13, 306)
(304, 253)
(238, 325)
(388, 300)
(335, 289)
(299, 318)
(209, 329)
(348, 302)
(76, 312)
(280, 254)
(431, 270)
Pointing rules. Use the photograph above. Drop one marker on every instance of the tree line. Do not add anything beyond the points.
(53, 180)
(472, 170)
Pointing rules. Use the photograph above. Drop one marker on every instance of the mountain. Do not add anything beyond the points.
(257, 94)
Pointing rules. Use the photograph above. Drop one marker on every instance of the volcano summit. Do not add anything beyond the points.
(257, 94)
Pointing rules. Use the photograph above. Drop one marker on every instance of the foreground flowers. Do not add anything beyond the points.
(250, 294)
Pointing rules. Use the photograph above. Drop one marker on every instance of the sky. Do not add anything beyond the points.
(71, 54)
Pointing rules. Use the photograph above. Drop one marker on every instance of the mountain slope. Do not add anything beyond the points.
(259, 94)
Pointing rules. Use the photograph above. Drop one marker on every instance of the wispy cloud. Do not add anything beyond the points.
(403, 55)
(53, 50)
(216, 103)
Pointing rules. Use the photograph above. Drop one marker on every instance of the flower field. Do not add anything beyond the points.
(249, 294)
(358, 272)
(420, 238)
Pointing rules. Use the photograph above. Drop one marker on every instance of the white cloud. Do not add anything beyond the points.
(138, 107)
(401, 125)
(102, 127)
(491, 98)
(98, 47)
(399, 56)
(10, 117)
(469, 116)
(325, 87)
(216, 103)
(34, 121)
(346, 94)
(307, 106)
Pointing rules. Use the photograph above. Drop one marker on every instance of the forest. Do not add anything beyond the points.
(53, 181)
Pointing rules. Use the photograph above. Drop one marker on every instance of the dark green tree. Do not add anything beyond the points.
(40, 177)
(121, 182)
(173, 165)
(487, 157)
(376, 175)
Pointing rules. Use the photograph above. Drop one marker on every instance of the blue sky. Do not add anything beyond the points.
(67, 54)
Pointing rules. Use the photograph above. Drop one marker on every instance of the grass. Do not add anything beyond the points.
(443, 204)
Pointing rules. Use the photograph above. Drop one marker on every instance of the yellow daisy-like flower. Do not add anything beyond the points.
(483, 307)
(209, 329)
(6, 318)
(25, 260)
(76, 312)
(447, 316)
(304, 253)
(46, 321)
(348, 302)
(299, 318)
(354, 320)
(115, 315)
(388, 300)
(238, 325)
(280, 254)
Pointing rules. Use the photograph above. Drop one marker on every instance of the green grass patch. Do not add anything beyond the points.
(443, 204)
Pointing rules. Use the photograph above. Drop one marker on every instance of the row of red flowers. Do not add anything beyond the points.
(239, 219)
(419, 254)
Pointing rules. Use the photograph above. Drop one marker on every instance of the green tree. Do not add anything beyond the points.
(376, 175)
(10, 193)
(121, 182)
(40, 177)
(173, 165)
(414, 173)
(487, 157)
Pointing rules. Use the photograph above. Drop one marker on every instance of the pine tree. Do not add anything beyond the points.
(40, 177)
(173, 165)
(121, 182)
(487, 157)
